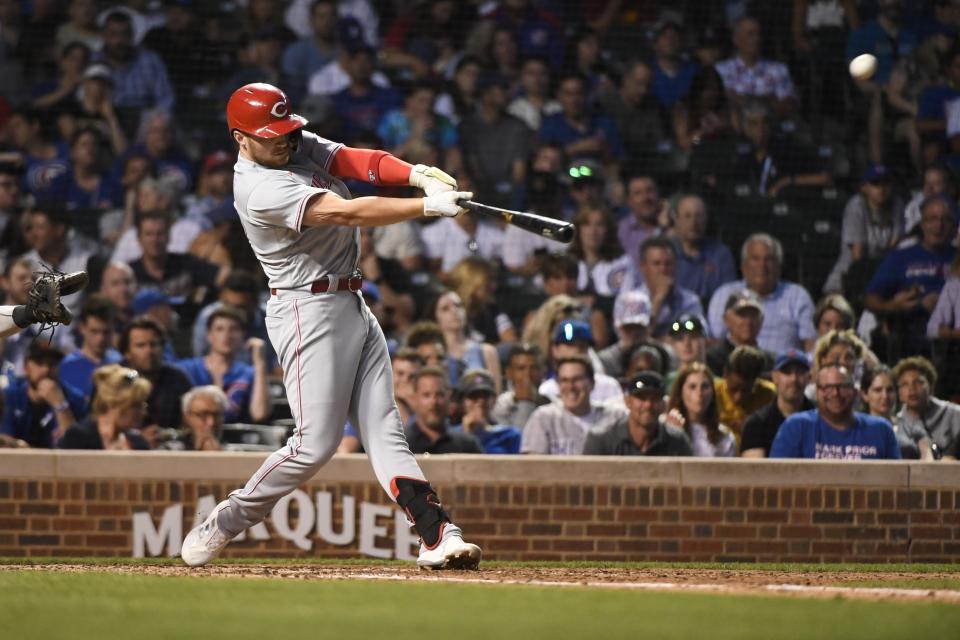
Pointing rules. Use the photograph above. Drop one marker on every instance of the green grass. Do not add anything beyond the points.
(493, 564)
(948, 584)
(95, 606)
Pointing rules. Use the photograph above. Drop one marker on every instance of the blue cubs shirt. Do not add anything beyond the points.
(807, 435)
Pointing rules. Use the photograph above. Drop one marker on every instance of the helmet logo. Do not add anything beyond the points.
(279, 110)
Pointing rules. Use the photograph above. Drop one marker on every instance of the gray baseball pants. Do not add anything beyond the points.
(335, 366)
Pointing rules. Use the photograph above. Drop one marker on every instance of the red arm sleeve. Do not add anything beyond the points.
(371, 165)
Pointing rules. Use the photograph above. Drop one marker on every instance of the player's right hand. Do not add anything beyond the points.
(431, 180)
(445, 204)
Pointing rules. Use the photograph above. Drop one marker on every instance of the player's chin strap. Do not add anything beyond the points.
(418, 499)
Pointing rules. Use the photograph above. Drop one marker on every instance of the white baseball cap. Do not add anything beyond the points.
(632, 307)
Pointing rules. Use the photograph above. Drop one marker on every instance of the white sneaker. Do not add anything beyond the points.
(451, 553)
(205, 542)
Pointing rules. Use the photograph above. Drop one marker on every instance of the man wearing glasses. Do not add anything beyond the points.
(833, 429)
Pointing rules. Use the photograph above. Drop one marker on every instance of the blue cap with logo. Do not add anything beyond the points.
(571, 331)
(148, 299)
(791, 356)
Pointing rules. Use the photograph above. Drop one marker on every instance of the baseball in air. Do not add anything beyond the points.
(863, 66)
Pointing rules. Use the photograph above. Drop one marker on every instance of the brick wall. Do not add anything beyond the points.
(81, 504)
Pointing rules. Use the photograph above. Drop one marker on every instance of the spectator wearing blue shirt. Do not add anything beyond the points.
(906, 286)
(833, 430)
(95, 324)
(362, 105)
(39, 410)
(308, 55)
(702, 264)
(140, 79)
(787, 306)
(42, 159)
(669, 300)
(405, 132)
(672, 74)
(241, 291)
(578, 130)
(538, 31)
(85, 186)
(932, 104)
(245, 385)
(479, 395)
(886, 37)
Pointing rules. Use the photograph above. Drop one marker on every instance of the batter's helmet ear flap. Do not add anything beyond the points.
(422, 506)
(296, 140)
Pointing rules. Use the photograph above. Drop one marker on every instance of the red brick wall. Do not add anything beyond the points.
(533, 520)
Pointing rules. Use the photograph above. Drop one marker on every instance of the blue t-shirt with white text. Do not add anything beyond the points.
(807, 435)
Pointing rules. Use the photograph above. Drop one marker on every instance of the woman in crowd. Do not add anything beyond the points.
(475, 282)
(85, 186)
(843, 348)
(450, 315)
(693, 407)
(116, 412)
(704, 113)
(833, 312)
(603, 265)
(879, 394)
(540, 325)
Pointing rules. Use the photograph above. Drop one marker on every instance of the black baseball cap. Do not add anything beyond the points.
(687, 323)
(475, 381)
(646, 382)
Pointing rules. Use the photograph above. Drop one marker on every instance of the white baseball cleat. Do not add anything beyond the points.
(205, 542)
(451, 553)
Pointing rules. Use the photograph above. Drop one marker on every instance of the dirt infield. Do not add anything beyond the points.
(740, 581)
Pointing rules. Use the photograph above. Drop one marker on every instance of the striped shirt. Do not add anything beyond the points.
(787, 316)
(142, 84)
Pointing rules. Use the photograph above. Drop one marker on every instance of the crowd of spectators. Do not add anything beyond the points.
(765, 260)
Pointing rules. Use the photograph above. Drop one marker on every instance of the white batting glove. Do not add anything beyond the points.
(431, 180)
(445, 204)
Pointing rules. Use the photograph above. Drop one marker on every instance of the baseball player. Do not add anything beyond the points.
(43, 302)
(304, 228)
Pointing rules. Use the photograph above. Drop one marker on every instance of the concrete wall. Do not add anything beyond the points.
(565, 508)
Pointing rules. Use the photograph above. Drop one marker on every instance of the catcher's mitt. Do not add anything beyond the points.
(43, 300)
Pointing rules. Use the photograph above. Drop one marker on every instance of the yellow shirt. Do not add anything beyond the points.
(732, 414)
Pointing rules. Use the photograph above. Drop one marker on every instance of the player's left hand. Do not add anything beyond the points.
(431, 180)
(445, 204)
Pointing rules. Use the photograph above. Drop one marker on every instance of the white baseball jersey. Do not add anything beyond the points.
(271, 204)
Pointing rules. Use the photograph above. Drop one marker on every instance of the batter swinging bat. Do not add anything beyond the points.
(547, 227)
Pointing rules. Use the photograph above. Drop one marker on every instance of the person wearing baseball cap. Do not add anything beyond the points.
(873, 223)
(642, 432)
(631, 321)
(479, 394)
(743, 318)
(687, 339)
(834, 430)
(574, 338)
(791, 375)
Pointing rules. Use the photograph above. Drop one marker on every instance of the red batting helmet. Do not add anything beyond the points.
(262, 110)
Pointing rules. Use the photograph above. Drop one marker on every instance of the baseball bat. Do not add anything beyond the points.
(541, 225)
